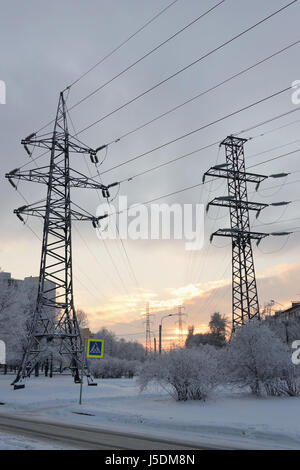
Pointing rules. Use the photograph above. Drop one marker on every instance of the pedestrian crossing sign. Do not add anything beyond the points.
(95, 348)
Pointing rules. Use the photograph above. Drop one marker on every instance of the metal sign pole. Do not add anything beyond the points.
(82, 367)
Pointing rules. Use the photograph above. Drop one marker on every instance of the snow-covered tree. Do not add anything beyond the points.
(288, 329)
(114, 347)
(187, 374)
(256, 357)
(82, 319)
(218, 324)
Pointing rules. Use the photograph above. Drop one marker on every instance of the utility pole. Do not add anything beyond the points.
(245, 304)
(160, 330)
(54, 319)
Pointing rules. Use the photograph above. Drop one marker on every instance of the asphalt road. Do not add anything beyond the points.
(83, 437)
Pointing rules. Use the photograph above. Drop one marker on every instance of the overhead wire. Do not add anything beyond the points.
(129, 67)
(216, 49)
(194, 131)
(113, 51)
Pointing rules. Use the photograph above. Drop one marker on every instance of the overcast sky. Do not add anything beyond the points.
(45, 46)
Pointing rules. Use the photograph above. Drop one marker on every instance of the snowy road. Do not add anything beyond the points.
(231, 419)
(81, 437)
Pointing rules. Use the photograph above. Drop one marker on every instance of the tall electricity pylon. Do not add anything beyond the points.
(148, 329)
(54, 319)
(180, 322)
(245, 304)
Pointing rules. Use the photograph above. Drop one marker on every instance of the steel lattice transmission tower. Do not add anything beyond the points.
(148, 329)
(54, 319)
(245, 304)
(180, 322)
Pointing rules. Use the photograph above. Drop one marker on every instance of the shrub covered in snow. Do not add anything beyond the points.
(113, 368)
(187, 374)
(258, 358)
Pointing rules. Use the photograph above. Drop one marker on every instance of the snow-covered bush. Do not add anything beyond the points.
(256, 357)
(113, 368)
(187, 374)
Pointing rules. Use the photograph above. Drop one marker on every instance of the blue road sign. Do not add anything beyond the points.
(95, 348)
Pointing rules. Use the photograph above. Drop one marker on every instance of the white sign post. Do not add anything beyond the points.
(92, 348)
(2, 352)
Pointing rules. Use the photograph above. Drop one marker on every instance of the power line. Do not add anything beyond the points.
(114, 264)
(170, 38)
(113, 51)
(144, 26)
(275, 158)
(122, 243)
(188, 66)
(207, 147)
(199, 95)
(273, 148)
(95, 258)
(205, 126)
(104, 243)
(276, 117)
(199, 59)
(197, 185)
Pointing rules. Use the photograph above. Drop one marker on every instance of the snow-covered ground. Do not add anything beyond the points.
(228, 418)
(18, 442)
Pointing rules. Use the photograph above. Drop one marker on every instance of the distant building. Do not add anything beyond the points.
(86, 333)
(6, 278)
(288, 314)
(29, 283)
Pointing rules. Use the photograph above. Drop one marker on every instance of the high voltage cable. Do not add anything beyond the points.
(114, 264)
(113, 51)
(278, 222)
(275, 158)
(197, 185)
(206, 147)
(190, 100)
(199, 95)
(188, 66)
(157, 15)
(170, 38)
(205, 126)
(279, 128)
(121, 241)
(276, 117)
(273, 148)
(93, 255)
(104, 243)
(209, 246)
(207, 181)
(265, 19)
(106, 247)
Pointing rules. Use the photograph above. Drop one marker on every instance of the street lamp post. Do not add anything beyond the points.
(160, 329)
